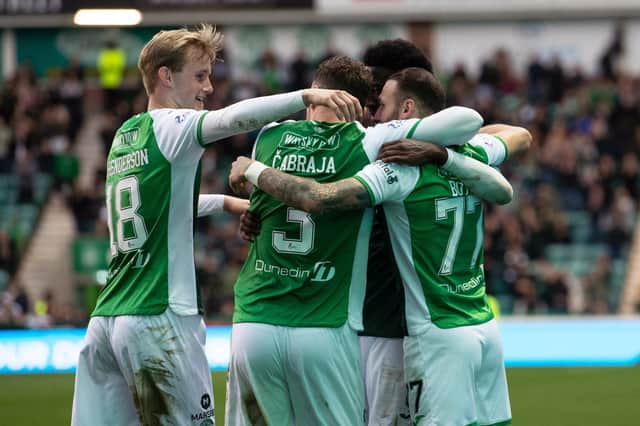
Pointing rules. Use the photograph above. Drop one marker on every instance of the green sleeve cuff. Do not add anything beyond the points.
(199, 129)
(506, 149)
(372, 198)
(413, 129)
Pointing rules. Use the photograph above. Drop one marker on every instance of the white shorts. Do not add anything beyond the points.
(294, 375)
(383, 370)
(456, 376)
(143, 369)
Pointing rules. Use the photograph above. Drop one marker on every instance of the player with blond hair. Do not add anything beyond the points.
(143, 358)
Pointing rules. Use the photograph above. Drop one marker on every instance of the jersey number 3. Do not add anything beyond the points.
(303, 244)
(127, 230)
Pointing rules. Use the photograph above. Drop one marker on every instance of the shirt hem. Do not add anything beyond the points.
(289, 324)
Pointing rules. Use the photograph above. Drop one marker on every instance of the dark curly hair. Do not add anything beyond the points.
(389, 56)
(344, 73)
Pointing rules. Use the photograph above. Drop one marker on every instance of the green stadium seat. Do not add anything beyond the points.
(580, 225)
(4, 279)
(588, 250)
(8, 189)
(41, 185)
(580, 267)
(576, 258)
(558, 253)
(618, 272)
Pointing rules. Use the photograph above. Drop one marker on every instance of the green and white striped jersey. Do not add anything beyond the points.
(308, 270)
(152, 197)
(152, 193)
(436, 230)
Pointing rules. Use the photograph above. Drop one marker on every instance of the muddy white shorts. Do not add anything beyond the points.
(143, 369)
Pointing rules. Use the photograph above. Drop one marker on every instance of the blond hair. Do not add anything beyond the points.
(171, 48)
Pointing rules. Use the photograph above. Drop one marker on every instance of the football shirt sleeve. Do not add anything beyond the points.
(388, 181)
(385, 132)
(493, 146)
(210, 204)
(247, 115)
(175, 131)
(481, 179)
(451, 126)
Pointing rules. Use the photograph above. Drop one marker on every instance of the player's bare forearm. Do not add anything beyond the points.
(493, 128)
(235, 205)
(314, 197)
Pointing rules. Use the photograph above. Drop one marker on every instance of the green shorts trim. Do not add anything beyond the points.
(502, 423)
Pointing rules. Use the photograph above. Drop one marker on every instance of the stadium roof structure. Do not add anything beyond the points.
(60, 13)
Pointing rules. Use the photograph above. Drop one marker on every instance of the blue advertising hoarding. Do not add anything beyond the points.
(527, 343)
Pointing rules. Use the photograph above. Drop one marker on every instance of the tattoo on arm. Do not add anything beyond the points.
(314, 197)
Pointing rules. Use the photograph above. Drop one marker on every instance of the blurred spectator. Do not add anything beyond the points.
(71, 92)
(576, 189)
(14, 306)
(556, 289)
(525, 296)
(8, 253)
(7, 146)
(598, 287)
(270, 75)
(111, 66)
(299, 70)
(624, 118)
(609, 61)
(85, 206)
(556, 82)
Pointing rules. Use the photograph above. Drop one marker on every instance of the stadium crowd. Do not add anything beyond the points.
(576, 188)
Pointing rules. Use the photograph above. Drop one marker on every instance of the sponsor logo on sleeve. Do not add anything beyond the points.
(391, 175)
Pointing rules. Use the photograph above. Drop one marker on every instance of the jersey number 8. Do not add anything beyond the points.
(130, 230)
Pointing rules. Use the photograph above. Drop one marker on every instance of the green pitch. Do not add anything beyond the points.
(539, 396)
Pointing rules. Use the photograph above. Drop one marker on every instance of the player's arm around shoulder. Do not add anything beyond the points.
(252, 114)
(210, 204)
(302, 193)
(451, 126)
(481, 179)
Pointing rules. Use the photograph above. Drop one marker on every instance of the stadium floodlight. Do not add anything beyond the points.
(107, 17)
